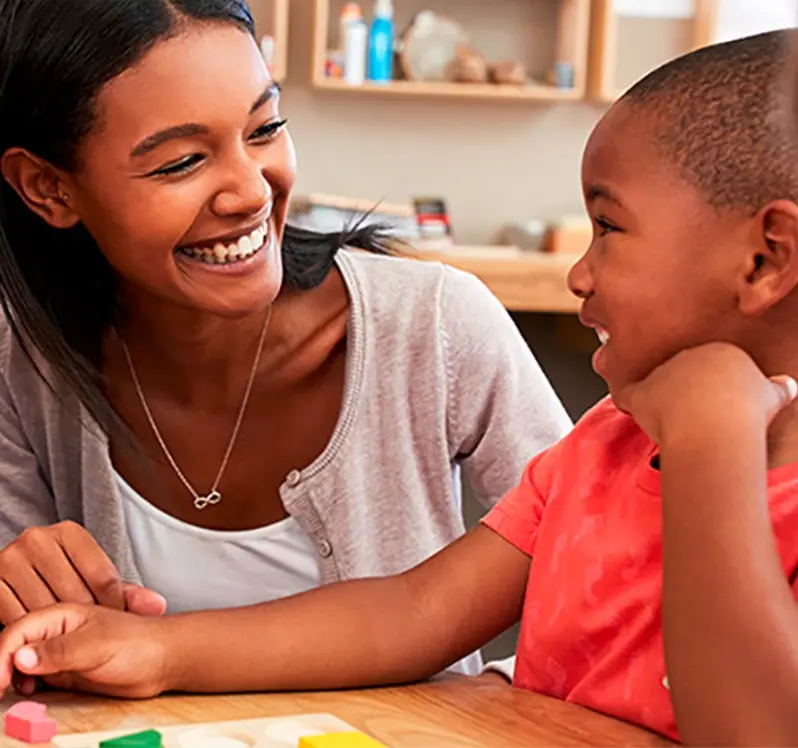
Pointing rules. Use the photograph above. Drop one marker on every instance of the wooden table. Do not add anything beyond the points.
(443, 713)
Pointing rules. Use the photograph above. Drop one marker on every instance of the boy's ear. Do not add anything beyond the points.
(771, 270)
(40, 187)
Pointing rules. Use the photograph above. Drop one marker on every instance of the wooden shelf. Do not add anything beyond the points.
(523, 282)
(271, 18)
(575, 13)
(451, 90)
(604, 44)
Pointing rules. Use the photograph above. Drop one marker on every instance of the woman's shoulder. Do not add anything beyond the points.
(398, 284)
(421, 308)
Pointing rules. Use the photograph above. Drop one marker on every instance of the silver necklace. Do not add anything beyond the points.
(213, 496)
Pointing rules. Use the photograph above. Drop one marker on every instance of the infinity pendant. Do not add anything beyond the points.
(214, 497)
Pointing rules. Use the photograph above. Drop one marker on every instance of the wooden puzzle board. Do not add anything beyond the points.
(272, 732)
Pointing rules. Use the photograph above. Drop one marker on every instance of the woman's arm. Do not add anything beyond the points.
(26, 498)
(501, 409)
(42, 560)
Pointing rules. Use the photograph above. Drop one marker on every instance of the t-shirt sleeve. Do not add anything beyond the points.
(517, 516)
(501, 408)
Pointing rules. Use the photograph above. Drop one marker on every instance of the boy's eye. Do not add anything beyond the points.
(605, 227)
(269, 131)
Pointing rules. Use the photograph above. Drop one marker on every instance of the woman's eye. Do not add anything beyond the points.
(264, 133)
(269, 131)
(178, 167)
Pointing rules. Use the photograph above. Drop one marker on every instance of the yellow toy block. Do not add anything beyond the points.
(340, 740)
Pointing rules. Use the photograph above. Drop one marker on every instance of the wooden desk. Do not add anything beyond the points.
(525, 282)
(447, 712)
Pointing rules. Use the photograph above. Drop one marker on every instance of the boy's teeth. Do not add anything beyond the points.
(221, 254)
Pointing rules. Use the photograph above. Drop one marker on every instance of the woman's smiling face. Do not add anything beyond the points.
(184, 180)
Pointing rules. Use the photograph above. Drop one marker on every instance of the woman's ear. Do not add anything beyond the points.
(40, 187)
(771, 268)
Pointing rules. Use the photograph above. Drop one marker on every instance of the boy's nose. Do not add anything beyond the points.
(580, 278)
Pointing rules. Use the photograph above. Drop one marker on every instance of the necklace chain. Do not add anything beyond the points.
(213, 496)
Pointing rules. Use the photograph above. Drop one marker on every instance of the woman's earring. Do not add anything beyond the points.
(63, 197)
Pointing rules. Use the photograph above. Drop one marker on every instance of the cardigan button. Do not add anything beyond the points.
(294, 478)
(325, 549)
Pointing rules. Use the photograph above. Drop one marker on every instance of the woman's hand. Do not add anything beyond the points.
(64, 563)
(87, 648)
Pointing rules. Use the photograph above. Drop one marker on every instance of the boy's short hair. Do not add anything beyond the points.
(721, 114)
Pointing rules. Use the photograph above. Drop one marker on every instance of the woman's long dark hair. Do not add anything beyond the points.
(56, 287)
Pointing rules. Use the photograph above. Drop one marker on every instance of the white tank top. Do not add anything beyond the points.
(196, 569)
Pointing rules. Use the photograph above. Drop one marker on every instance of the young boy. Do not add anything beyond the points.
(663, 530)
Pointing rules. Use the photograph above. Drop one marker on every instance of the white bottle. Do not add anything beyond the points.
(350, 12)
(355, 44)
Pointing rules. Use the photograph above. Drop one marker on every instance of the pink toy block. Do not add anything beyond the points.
(28, 721)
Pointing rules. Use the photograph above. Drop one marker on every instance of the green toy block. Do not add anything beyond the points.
(145, 739)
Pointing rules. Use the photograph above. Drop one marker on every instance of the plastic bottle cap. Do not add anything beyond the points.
(383, 9)
(351, 11)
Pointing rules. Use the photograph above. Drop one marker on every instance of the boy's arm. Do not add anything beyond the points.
(363, 632)
(730, 619)
(358, 633)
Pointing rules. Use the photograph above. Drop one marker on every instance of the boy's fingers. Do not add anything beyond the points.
(35, 628)
(784, 390)
(73, 652)
(624, 400)
(25, 685)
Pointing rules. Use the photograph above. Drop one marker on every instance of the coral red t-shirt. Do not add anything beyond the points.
(588, 512)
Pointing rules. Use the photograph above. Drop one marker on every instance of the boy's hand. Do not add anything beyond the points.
(90, 648)
(703, 388)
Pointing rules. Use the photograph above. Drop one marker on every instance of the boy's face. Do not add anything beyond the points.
(659, 275)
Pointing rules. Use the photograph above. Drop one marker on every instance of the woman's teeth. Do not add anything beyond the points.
(223, 254)
(603, 336)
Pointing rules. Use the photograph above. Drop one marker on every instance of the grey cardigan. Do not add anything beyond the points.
(438, 380)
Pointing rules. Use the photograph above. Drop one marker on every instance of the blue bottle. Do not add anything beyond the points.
(380, 67)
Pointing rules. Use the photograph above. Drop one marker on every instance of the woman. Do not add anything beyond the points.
(222, 410)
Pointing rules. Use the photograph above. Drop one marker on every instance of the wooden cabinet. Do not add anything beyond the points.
(534, 32)
(626, 47)
(271, 19)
